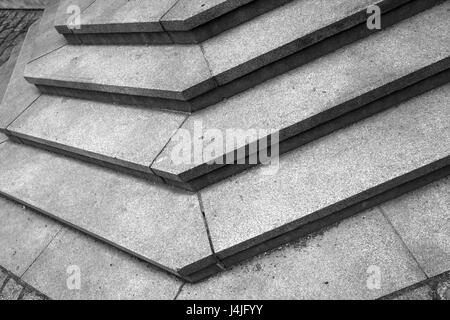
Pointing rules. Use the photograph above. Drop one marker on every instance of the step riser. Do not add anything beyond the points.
(286, 58)
(324, 219)
(196, 35)
(290, 138)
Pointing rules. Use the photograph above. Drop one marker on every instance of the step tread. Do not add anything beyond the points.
(335, 171)
(289, 101)
(144, 219)
(133, 214)
(127, 136)
(104, 16)
(183, 72)
(19, 94)
(104, 131)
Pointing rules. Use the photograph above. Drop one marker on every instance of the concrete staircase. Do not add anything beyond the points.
(95, 114)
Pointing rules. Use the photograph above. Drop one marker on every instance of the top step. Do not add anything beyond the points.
(154, 21)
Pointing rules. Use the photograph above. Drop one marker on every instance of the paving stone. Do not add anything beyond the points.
(19, 94)
(343, 262)
(25, 4)
(3, 277)
(7, 69)
(47, 39)
(177, 72)
(123, 135)
(133, 214)
(338, 170)
(277, 34)
(422, 220)
(32, 296)
(11, 291)
(124, 16)
(23, 236)
(325, 88)
(188, 14)
(422, 293)
(105, 272)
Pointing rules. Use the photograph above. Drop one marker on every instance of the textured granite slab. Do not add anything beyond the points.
(338, 263)
(422, 220)
(323, 89)
(132, 214)
(23, 236)
(336, 172)
(125, 136)
(26, 4)
(106, 273)
(170, 72)
(19, 94)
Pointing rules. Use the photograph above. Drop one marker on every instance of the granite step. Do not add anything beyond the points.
(323, 182)
(142, 141)
(192, 77)
(156, 22)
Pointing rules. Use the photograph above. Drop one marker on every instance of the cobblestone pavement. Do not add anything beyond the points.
(12, 288)
(13, 25)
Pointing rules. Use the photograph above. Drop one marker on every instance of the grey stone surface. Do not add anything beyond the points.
(11, 291)
(330, 170)
(23, 236)
(132, 214)
(19, 94)
(105, 16)
(105, 272)
(188, 14)
(309, 95)
(276, 34)
(422, 220)
(122, 135)
(3, 277)
(171, 72)
(3, 137)
(66, 11)
(7, 69)
(47, 39)
(25, 4)
(422, 293)
(341, 263)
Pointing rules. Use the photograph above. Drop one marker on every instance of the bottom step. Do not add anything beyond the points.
(323, 182)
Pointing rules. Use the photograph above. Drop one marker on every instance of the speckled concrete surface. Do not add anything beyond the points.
(423, 221)
(336, 264)
(141, 217)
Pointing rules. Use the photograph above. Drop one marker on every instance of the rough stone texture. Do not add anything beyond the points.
(422, 293)
(106, 273)
(169, 72)
(32, 296)
(422, 220)
(322, 89)
(330, 170)
(66, 11)
(261, 40)
(13, 26)
(23, 236)
(123, 15)
(3, 277)
(48, 39)
(19, 94)
(7, 69)
(188, 14)
(130, 213)
(336, 264)
(11, 290)
(3, 137)
(122, 135)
